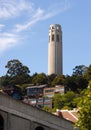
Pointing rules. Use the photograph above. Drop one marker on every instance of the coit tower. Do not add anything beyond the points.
(55, 50)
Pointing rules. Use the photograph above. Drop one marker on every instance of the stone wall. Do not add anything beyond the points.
(20, 116)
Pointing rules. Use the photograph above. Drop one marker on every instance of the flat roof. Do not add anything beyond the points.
(40, 86)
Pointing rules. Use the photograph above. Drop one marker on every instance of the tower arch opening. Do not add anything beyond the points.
(39, 128)
(1, 123)
(52, 37)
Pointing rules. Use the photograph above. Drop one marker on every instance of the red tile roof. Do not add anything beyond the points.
(70, 115)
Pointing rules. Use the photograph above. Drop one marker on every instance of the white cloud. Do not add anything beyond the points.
(41, 14)
(38, 13)
(5, 34)
(7, 41)
(1, 26)
(9, 9)
(35, 18)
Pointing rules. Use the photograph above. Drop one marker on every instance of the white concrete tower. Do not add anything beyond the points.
(55, 50)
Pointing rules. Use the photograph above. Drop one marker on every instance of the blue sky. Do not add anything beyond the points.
(24, 26)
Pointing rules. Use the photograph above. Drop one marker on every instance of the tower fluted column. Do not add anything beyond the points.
(55, 50)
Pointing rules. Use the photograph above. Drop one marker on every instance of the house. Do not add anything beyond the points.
(42, 95)
(70, 115)
(49, 92)
(35, 91)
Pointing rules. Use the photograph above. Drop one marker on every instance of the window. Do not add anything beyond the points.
(51, 90)
(52, 37)
(57, 38)
(52, 27)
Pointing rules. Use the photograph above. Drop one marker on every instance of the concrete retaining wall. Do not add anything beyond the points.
(20, 116)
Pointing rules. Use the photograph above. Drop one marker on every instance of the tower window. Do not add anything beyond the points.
(57, 38)
(52, 27)
(52, 37)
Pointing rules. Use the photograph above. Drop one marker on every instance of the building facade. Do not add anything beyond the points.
(42, 95)
(35, 91)
(55, 50)
(49, 92)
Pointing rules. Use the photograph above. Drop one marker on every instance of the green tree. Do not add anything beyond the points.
(50, 79)
(57, 101)
(21, 79)
(40, 79)
(75, 83)
(5, 80)
(70, 84)
(58, 80)
(88, 73)
(17, 73)
(81, 83)
(46, 108)
(15, 67)
(68, 100)
(84, 115)
(79, 70)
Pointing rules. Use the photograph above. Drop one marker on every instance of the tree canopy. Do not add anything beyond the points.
(39, 79)
(88, 73)
(68, 100)
(15, 67)
(84, 114)
(79, 70)
(75, 83)
(58, 80)
(17, 73)
(57, 101)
